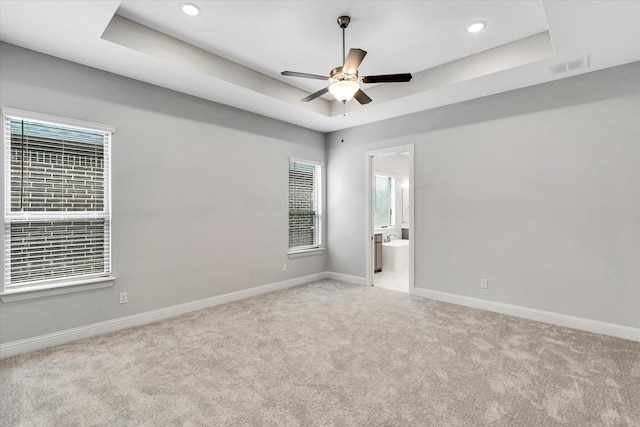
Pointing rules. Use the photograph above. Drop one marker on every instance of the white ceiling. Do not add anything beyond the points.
(234, 51)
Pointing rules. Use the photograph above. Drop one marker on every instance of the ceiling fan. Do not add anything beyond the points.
(344, 79)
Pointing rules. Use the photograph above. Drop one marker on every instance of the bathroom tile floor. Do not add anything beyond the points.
(390, 279)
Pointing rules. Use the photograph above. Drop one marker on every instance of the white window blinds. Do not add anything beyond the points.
(383, 195)
(56, 209)
(304, 205)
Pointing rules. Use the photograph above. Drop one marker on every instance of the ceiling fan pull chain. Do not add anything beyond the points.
(344, 113)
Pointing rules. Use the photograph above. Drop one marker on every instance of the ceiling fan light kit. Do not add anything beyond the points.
(344, 90)
(344, 79)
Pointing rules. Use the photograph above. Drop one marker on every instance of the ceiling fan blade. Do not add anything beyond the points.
(361, 97)
(315, 95)
(304, 75)
(353, 61)
(388, 78)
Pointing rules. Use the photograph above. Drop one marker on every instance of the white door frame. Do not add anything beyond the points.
(368, 244)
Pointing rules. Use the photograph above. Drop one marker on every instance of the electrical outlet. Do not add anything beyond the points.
(484, 283)
(124, 298)
(284, 267)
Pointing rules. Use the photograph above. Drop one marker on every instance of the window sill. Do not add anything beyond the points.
(59, 289)
(305, 252)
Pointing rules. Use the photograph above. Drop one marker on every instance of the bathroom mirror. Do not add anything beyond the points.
(405, 207)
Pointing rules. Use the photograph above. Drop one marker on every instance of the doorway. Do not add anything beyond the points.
(389, 218)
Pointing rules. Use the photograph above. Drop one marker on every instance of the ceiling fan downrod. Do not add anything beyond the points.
(343, 22)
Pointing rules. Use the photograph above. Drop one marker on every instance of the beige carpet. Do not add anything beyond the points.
(329, 354)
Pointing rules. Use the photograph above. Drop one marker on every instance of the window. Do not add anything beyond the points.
(304, 205)
(384, 199)
(57, 217)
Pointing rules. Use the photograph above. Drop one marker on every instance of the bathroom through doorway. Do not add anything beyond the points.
(389, 218)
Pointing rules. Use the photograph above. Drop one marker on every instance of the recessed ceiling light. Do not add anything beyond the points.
(476, 26)
(190, 9)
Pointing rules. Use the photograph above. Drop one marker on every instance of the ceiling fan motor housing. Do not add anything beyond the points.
(337, 75)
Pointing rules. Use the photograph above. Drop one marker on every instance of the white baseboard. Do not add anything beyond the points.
(56, 338)
(356, 280)
(619, 331)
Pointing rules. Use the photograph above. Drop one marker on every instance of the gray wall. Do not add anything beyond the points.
(536, 190)
(200, 192)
